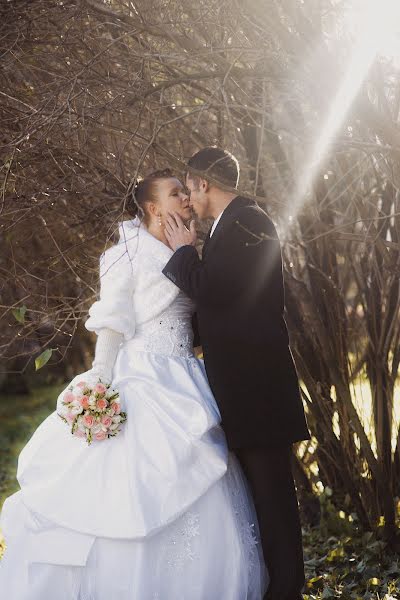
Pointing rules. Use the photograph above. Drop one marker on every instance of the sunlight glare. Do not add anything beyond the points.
(389, 42)
(375, 24)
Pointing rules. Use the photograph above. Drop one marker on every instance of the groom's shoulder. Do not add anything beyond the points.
(250, 214)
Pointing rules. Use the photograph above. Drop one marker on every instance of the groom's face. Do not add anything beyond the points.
(199, 200)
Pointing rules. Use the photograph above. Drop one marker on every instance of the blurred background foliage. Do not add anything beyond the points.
(94, 93)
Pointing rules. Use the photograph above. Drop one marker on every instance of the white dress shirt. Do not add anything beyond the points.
(215, 223)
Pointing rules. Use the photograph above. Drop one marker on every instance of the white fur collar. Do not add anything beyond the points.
(134, 232)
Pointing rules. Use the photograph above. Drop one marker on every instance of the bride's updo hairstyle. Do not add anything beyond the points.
(144, 191)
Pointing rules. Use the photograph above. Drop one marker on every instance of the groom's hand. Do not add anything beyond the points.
(177, 234)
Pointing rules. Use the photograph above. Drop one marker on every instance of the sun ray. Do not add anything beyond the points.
(377, 23)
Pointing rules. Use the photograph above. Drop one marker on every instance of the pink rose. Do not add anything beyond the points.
(88, 421)
(84, 401)
(70, 418)
(68, 397)
(82, 384)
(107, 421)
(116, 407)
(100, 388)
(101, 404)
(100, 436)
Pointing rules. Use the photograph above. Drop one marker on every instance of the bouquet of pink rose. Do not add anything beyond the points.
(92, 411)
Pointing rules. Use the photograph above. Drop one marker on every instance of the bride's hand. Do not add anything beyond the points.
(177, 234)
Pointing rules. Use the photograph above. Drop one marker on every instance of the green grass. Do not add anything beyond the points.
(20, 415)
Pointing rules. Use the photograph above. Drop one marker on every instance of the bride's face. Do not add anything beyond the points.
(172, 197)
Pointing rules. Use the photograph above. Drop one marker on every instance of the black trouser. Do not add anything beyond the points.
(269, 473)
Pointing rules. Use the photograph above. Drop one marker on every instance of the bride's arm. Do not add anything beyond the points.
(114, 309)
(107, 345)
(112, 316)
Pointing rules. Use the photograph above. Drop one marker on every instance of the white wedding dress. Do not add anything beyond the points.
(161, 511)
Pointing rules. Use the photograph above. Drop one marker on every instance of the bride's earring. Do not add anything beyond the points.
(159, 220)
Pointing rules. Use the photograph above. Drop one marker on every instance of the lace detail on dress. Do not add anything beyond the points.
(250, 542)
(248, 534)
(170, 334)
(180, 547)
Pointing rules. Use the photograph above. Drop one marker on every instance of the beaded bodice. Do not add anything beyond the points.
(170, 333)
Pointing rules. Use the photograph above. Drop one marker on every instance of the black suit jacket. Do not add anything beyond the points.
(239, 293)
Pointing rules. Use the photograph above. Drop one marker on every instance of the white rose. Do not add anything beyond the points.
(76, 408)
(78, 391)
(81, 425)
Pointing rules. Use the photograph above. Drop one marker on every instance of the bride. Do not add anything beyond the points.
(162, 510)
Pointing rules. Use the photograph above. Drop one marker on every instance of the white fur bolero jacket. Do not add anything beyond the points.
(133, 289)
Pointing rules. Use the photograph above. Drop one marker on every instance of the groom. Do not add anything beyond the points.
(239, 293)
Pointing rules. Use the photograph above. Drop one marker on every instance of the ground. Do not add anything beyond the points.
(340, 561)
